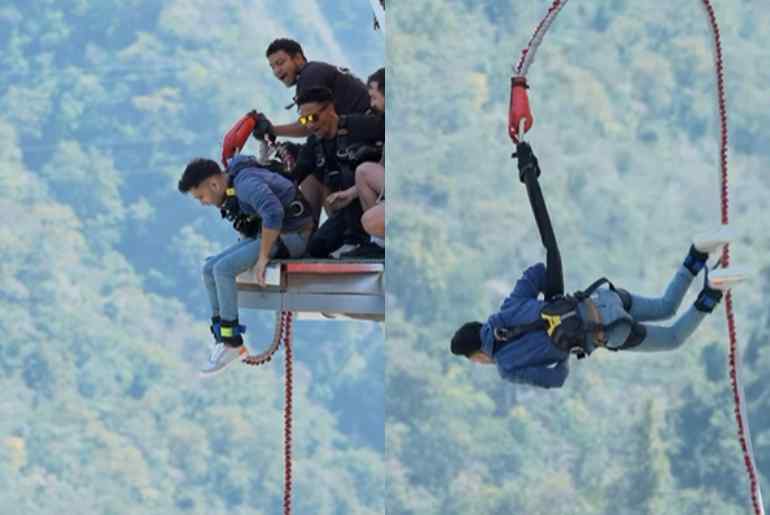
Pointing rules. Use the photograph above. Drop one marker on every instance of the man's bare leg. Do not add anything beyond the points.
(370, 183)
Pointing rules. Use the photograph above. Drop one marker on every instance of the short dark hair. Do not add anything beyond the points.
(289, 46)
(379, 78)
(467, 339)
(197, 171)
(317, 94)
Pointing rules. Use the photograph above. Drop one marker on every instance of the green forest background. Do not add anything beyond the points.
(623, 95)
(103, 315)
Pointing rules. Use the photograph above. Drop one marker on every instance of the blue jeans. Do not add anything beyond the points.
(644, 309)
(220, 271)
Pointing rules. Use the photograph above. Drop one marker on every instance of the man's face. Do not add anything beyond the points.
(285, 67)
(376, 98)
(321, 118)
(210, 192)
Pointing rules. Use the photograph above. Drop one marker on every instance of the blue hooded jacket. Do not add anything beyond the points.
(266, 193)
(531, 359)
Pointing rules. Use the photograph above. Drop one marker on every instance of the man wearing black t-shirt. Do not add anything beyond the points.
(290, 66)
(338, 144)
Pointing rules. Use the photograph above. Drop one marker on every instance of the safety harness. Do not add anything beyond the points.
(567, 328)
(354, 145)
(250, 224)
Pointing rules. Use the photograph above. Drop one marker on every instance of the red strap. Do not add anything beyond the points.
(236, 137)
(519, 108)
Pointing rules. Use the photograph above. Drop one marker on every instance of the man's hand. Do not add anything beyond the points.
(288, 152)
(260, 268)
(263, 129)
(341, 199)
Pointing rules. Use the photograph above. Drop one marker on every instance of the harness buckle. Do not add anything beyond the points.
(553, 322)
(296, 208)
(501, 334)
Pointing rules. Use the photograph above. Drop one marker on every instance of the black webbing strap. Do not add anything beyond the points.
(529, 171)
(505, 336)
(584, 294)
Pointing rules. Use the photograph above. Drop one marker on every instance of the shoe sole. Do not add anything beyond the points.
(726, 279)
(714, 241)
(243, 353)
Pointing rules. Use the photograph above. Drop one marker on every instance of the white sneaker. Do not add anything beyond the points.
(221, 356)
(725, 278)
(709, 242)
(345, 248)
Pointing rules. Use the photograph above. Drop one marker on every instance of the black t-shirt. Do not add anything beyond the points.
(309, 162)
(350, 93)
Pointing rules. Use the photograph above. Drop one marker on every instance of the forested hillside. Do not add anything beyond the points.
(623, 95)
(103, 315)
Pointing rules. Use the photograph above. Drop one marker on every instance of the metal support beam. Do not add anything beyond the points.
(351, 288)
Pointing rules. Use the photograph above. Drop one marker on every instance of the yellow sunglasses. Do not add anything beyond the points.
(312, 117)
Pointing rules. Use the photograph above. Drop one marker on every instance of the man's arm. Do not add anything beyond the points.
(268, 239)
(259, 196)
(527, 289)
(543, 376)
(531, 283)
(291, 130)
(254, 192)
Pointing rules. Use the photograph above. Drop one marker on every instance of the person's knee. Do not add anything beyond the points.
(222, 268)
(363, 170)
(369, 173)
(208, 268)
(373, 221)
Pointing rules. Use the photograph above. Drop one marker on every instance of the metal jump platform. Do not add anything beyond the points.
(353, 288)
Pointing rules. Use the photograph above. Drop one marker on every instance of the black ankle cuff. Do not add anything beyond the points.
(231, 333)
(695, 260)
(708, 299)
(233, 341)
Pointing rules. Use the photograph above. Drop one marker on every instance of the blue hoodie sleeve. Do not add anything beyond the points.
(543, 376)
(256, 193)
(531, 283)
(527, 288)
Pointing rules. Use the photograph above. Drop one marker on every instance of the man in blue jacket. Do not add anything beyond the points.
(530, 339)
(273, 219)
(533, 358)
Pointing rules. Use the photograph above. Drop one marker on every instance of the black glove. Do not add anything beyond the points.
(263, 130)
(527, 160)
(288, 149)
